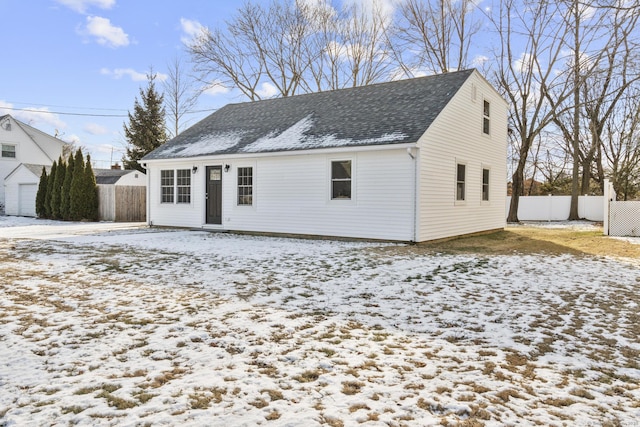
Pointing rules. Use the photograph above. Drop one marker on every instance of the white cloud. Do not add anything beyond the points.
(33, 116)
(135, 76)
(105, 33)
(479, 61)
(72, 139)
(191, 29)
(81, 6)
(386, 7)
(95, 129)
(267, 90)
(216, 88)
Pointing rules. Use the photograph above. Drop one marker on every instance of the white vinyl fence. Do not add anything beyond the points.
(556, 208)
(623, 218)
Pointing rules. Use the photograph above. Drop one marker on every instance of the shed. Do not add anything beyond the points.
(408, 160)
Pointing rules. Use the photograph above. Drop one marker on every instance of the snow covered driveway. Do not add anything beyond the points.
(141, 326)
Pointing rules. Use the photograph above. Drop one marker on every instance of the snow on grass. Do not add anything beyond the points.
(166, 327)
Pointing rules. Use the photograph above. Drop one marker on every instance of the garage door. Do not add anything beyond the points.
(27, 199)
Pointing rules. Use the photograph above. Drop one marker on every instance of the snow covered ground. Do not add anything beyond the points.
(111, 324)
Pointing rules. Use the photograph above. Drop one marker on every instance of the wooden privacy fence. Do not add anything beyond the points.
(122, 203)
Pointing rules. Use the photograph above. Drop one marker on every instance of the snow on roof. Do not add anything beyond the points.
(294, 138)
(207, 143)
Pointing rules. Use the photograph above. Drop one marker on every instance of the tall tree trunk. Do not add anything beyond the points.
(517, 185)
(573, 210)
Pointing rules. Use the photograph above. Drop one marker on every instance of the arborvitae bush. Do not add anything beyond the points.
(65, 203)
(56, 196)
(76, 196)
(42, 194)
(91, 191)
(47, 199)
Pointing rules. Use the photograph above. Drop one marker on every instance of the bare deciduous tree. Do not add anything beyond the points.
(180, 95)
(436, 35)
(294, 48)
(530, 48)
(621, 145)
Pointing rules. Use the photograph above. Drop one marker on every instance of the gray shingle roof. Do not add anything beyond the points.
(385, 113)
(109, 176)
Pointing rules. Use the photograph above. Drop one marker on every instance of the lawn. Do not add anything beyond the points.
(529, 326)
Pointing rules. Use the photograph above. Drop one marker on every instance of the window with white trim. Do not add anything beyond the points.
(245, 186)
(8, 151)
(486, 114)
(183, 186)
(166, 186)
(461, 171)
(341, 179)
(485, 185)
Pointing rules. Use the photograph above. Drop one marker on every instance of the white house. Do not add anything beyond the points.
(22, 143)
(409, 160)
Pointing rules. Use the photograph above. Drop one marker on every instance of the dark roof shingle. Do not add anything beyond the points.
(386, 113)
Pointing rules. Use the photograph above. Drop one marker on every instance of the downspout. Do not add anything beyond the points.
(413, 155)
(148, 194)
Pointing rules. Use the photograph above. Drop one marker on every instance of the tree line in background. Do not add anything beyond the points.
(69, 192)
(570, 71)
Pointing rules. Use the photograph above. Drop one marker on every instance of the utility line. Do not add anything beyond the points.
(63, 113)
(31, 110)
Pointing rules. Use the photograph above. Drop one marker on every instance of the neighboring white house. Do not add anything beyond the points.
(22, 143)
(409, 160)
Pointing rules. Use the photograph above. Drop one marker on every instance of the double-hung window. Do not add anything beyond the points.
(8, 151)
(485, 185)
(166, 186)
(175, 186)
(183, 186)
(341, 179)
(245, 186)
(460, 182)
(486, 114)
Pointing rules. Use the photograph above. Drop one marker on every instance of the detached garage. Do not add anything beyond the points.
(20, 189)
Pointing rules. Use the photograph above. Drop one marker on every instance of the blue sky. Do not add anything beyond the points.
(90, 57)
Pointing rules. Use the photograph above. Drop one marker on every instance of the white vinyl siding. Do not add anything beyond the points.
(455, 135)
(292, 196)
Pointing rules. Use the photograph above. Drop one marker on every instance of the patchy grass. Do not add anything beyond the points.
(537, 240)
(457, 333)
